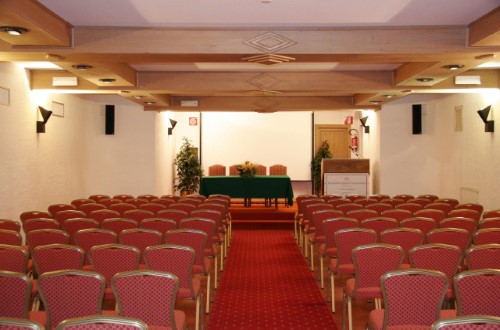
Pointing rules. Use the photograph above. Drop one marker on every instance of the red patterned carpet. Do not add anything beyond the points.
(266, 284)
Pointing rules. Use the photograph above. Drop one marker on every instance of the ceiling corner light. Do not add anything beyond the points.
(13, 30)
(375, 102)
(82, 67)
(138, 97)
(453, 66)
(149, 103)
(424, 79)
(389, 96)
(107, 80)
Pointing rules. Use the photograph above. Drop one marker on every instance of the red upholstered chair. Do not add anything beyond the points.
(149, 296)
(39, 223)
(178, 260)
(380, 197)
(453, 236)
(190, 200)
(152, 207)
(261, 169)
(171, 214)
(379, 224)
(55, 208)
(362, 214)
(48, 258)
(445, 207)
(346, 240)
(147, 197)
(101, 215)
(477, 292)
(393, 201)
(182, 206)
(123, 197)
(102, 323)
(421, 201)
(136, 201)
(109, 202)
(487, 236)
(379, 207)
(412, 207)
(137, 215)
(458, 222)
(412, 300)
(99, 197)
(277, 169)
(423, 224)
(491, 214)
(90, 207)
(327, 198)
(13, 323)
(353, 197)
(81, 201)
(437, 215)
(366, 201)
(62, 216)
(119, 224)
(13, 258)
(370, 263)
(450, 201)
(430, 197)
(7, 224)
(397, 214)
(160, 224)
(221, 235)
(140, 238)
(483, 256)
(68, 294)
(34, 214)
(489, 223)
(473, 322)
(465, 213)
(10, 237)
(233, 170)
(302, 201)
(163, 201)
(16, 293)
(46, 236)
(306, 226)
(88, 238)
(406, 238)
(122, 207)
(71, 226)
(336, 202)
(111, 259)
(174, 197)
(318, 236)
(217, 170)
(349, 207)
(440, 257)
(405, 197)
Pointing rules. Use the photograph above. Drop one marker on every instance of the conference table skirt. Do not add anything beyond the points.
(259, 186)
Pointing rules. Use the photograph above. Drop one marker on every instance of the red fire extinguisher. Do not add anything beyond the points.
(354, 139)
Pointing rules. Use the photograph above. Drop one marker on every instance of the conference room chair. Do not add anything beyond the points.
(221, 204)
(477, 292)
(122, 207)
(12, 323)
(163, 201)
(90, 207)
(450, 201)
(16, 294)
(329, 249)
(453, 236)
(182, 206)
(99, 197)
(470, 206)
(445, 207)
(472, 322)
(68, 294)
(483, 256)
(197, 240)
(160, 224)
(489, 223)
(173, 214)
(189, 200)
(149, 296)
(199, 197)
(302, 201)
(362, 214)
(217, 170)
(55, 208)
(111, 259)
(137, 202)
(406, 238)
(71, 226)
(10, 237)
(34, 214)
(465, 213)
(62, 216)
(7, 224)
(123, 197)
(353, 197)
(88, 238)
(218, 196)
(437, 215)
(379, 224)
(110, 201)
(439, 257)
(148, 197)
(371, 261)
(233, 170)
(261, 169)
(405, 197)
(491, 214)
(459, 222)
(345, 241)
(140, 238)
(221, 233)
(119, 224)
(41, 237)
(317, 237)
(366, 201)
(412, 300)
(327, 198)
(306, 226)
(277, 169)
(81, 201)
(346, 207)
(13, 258)
(422, 201)
(379, 207)
(101, 215)
(487, 236)
(178, 260)
(102, 322)
(379, 197)
(397, 214)
(430, 197)
(412, 207)
(337, 202)
(423, 224)
(174, 197)
(393, 201)
(138, 214)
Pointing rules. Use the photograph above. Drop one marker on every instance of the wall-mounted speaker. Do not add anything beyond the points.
(110, 119)
(416, 118)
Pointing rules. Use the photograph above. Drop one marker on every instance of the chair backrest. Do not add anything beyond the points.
(477, 292)
(439, 257)
(88, 238)
(347, 239)
(62, 216)
(175, 259)
(174, 197)
(81, 201)
(483, 256)
(102, 322)
(205, 225)
(453, 236)
(491, 214)
(13, 323)
(182, 206)
(119, 224)
(110, 201)
(366, 201)
(10, 237)
(147, 295)
(397, 214)
(195, 239)
(13, 258)
(353, 197)
(190, 200)
(110, 259)
(140, 238)
(487, 236)
(7, 224)
(34, 214)
(379, 207)
(71, 226)
(437, 215)
(217, 170)
(421, 201)
(101, 215)
(349, 207)
(55, 208)
(46, 236)
(459, 222)
(406, 238)
(160, 224)
(404, 197)
(163, 201)
(362, 214)
(331, 226)
(136, 201)
(123, 197)
(311, 208)
(393, 201)
(445, 207)
(176, 215)
(379, 197)
(88, 208)
(412, 207)
(465, 213)
(423, 224)
(450, 201)
(412, 297)
(473, 322)
(489, 223)
(261, 169)
(67, 294)
(371, 261)
(148, 197)
(430, 197)
(138, 215)
(16, 293)
(233, 170)
(327, 198)
(99, 197)
(277, 169)
(122, 207)
(153, 207)
(379, 224)
(39, 223)
(49, 258)
(215, 205)
(318, 217)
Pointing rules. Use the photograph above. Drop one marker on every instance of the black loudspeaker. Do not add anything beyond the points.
(110, 119)
(417, 118)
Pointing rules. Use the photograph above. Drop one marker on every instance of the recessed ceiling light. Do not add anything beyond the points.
(13, 30)
(138, 97)
(425, 79)
(107, 80)
(149, 102)
(453, 66)
(375, 102)
(389, 96)
(82, 67)
(407, 91)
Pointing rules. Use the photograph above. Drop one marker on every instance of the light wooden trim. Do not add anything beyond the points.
(486, 30)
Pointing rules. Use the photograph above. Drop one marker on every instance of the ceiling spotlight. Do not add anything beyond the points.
(425, 79)
(13, 30)
(149, 102)
(389, 96)
(82, 67)
(453, 66)
(138, 97)
(375, 102)
(107, 80)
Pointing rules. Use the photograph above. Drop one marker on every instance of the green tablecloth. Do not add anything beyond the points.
(260, 186)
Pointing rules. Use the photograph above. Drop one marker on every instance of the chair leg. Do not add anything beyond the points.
(321, 270)
(311, 244)
(222, 254)
(215, 272)
(207, 306)
(197, 312)
(332, 290)
(349, 311)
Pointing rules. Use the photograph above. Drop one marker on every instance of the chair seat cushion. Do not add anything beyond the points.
(376, 320)
(180, 322)
(186, 292)
(344, 269)
(331, 252)
(199, 269)
(370, 292)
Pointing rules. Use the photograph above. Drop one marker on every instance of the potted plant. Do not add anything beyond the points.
(323, 152)
(188, 169)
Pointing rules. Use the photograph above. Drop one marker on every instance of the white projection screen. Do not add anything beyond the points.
(230, 138)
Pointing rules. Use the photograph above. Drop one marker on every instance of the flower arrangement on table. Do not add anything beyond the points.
(247, 169)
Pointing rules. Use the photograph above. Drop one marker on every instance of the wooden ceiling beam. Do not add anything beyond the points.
(123, 74)
(486, 30)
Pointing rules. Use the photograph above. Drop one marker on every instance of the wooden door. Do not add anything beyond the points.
(337, 137)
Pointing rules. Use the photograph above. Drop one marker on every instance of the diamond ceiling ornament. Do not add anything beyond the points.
(269, 42)
(268, 59)
(263, 81)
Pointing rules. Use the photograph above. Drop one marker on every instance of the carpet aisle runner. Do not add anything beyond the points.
(266, 284)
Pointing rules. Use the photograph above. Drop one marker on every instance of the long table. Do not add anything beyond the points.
(259, 186)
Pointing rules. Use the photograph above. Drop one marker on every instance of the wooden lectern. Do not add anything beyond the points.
(345, 176)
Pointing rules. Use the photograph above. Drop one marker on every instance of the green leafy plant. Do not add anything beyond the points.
(323, 152)
(188, 168)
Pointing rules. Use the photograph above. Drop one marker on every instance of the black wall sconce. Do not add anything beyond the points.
(40, 125)
(172, 125)
(489, 125)
(363, 123)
